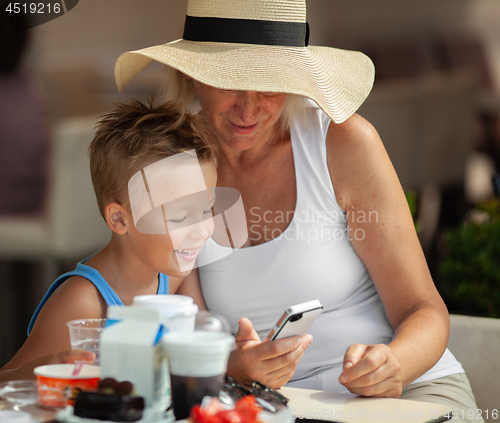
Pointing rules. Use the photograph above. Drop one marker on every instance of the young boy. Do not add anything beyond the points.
(153, 172)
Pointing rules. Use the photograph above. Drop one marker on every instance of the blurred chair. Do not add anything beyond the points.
(475, 342)
(403, 58)
(447, 132)
(426, 125)
(467, 51)
(72, 226)
(393, 109)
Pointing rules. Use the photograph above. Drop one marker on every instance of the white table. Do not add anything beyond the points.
(321, 405)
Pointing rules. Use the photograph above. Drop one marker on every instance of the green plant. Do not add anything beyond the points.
(470, 271)
(411, 198)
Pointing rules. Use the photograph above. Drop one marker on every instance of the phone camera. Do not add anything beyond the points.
(296, 317)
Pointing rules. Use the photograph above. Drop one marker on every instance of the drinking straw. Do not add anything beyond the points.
(77, 368)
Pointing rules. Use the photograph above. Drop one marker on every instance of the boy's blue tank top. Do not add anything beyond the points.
(100, 283)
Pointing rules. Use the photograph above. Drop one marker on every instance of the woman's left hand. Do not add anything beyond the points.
(372, 371)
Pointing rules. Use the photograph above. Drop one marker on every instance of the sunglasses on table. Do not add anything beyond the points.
(269, 399)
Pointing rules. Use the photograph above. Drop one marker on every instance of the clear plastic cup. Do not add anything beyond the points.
(13, 416)
(20, 392)
(211, 322)
(85, 334)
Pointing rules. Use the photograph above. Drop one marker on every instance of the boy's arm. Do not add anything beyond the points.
(26, 370)
(77, 298)
(190, 286)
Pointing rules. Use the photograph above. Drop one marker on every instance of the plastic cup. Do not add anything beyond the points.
(20, 392)
(210, 322)
(85, 334)
(58, 378)
(178, 312)
(12, 416)
(24, 394)
(197, 362)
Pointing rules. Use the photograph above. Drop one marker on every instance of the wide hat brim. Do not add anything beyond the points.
(337, 80)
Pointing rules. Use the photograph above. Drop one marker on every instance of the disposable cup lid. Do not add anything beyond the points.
(168, 305)
(206, 342)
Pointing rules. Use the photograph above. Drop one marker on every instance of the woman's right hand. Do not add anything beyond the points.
(271, 363)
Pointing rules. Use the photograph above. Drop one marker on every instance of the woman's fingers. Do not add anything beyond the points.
(246, 332)
(282, 367)
(353, 354)
(374, 371)
(271, 363)
(388, 388)
(279, 353)
(359, 360)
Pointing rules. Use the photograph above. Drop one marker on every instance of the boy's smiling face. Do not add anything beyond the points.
(189, 220)
(171, 203)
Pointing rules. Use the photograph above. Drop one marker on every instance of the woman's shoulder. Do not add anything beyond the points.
(357, 159)
(355, 132)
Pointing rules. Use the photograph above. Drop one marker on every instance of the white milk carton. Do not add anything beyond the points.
(131, 349)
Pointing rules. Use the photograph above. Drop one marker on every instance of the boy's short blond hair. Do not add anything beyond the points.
(135, 135)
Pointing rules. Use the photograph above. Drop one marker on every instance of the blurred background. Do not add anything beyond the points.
(435, 103)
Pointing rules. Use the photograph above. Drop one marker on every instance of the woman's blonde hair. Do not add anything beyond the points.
(179, 89)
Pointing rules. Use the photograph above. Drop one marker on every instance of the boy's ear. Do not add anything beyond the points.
(117, 218)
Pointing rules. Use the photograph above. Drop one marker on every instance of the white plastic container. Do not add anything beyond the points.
(131, 349)
(178, 312)
(198, 362)
(198, 354)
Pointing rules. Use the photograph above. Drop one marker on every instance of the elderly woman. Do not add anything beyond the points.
(327, 218)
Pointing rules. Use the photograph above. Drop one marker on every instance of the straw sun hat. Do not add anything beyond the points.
(259, 45)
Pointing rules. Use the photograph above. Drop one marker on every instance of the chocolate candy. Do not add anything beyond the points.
(106, 406)
(112, 402)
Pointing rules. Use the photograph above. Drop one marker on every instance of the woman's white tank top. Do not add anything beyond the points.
(312, 259)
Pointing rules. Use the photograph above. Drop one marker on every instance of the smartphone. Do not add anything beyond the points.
(296, 320)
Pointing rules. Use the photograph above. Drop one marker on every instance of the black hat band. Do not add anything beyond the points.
(246, 31)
